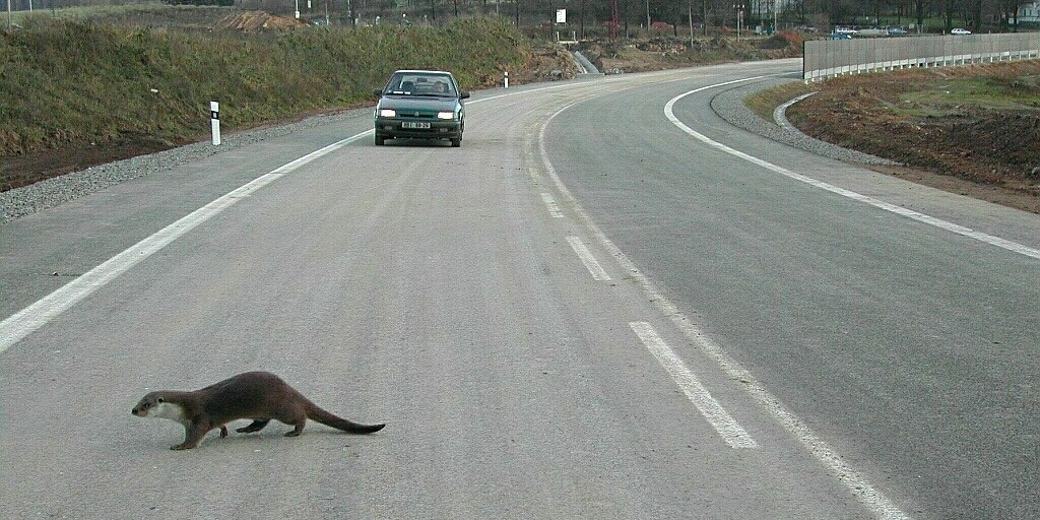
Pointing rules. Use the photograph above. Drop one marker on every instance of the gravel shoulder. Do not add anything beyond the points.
(52, 192)
(729, 105)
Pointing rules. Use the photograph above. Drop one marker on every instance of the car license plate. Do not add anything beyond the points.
(411, 124)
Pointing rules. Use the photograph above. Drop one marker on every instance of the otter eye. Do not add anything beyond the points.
(160, 399)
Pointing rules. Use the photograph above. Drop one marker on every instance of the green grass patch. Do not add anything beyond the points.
(70, 83)
(951, 96)
(764, 102)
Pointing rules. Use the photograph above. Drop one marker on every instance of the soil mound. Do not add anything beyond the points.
(254, 21)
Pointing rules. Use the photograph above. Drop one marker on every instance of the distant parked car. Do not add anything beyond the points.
(960, 31)
(839, 36)
(421, 104)
(871, 32)
(845, 30)
(896, 31)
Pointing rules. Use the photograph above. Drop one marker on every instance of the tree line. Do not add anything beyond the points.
(597, 15)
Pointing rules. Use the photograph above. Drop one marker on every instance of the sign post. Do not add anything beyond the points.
(214, 121)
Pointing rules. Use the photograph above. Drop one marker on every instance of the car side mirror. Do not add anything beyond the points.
(464, 95)
(377, 92)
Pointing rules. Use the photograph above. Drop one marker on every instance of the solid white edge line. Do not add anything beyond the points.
(550, 204)
(857, 484)
(899, 210)
(594, 267)
(716, 415)
(31, 318)
(24, 322)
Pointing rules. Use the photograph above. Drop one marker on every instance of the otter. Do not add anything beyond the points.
(260, 396)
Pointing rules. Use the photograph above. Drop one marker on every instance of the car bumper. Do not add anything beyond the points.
(437, 130)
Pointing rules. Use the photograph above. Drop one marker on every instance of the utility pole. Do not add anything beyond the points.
(582, 16)
(8, 15)
(704, 5)
(648, 16)
(740, 17)
(689, 9)
(614, 21)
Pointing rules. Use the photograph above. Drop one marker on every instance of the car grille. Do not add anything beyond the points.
(411, 114)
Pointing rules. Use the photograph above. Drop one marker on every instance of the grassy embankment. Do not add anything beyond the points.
(79, 93)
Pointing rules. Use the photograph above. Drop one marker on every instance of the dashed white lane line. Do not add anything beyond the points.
(550, 204)
(19, 325)
(728, 428)
(586, 258)
(27, 320)
(880, 505)
(899, 210)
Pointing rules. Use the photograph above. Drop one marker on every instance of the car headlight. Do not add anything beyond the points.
(445, 115)
(387, 112)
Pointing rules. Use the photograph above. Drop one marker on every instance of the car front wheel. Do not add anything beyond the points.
(379, 140)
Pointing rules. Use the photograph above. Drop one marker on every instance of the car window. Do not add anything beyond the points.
(419, 84)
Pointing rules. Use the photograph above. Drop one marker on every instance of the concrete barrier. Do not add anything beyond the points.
(828, 58)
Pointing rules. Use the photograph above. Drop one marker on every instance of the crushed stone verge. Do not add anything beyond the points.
(52, 192)
(729, 105)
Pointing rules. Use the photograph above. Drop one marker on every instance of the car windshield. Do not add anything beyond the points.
(421, 84)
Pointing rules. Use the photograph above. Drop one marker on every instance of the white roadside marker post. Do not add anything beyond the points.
(214, 121)
(505, 81)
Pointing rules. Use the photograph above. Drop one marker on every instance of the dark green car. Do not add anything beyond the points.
(421, 104)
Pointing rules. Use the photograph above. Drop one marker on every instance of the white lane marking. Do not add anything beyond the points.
(586, 258)
(728, 428)
(19, 325)
(550, 203)
(880, 505)
(31, 318)
(920, 217)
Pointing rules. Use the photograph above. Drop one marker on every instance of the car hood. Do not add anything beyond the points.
(418, 103)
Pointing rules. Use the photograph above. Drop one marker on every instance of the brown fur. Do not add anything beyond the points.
(260, 396)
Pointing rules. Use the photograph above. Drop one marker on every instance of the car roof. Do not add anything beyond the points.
(417, 71)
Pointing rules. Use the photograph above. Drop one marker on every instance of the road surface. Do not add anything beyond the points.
(609, 303)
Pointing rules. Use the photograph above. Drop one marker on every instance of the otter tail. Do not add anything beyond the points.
(315, 413)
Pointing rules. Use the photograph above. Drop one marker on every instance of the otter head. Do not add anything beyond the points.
(154, 404)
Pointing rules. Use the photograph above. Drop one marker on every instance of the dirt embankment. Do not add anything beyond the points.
(979, 123)
(253, 21)
(669, 53)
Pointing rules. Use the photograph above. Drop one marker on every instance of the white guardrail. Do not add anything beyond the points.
(828, 58)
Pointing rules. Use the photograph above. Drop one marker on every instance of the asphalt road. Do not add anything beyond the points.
(584, 312)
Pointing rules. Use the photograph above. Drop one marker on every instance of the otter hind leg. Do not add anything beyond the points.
(297, 427)
(257, 425)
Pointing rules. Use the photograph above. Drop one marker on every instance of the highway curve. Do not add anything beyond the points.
(609, 303)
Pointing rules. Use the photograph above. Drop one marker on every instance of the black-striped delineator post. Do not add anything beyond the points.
(214, 121)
